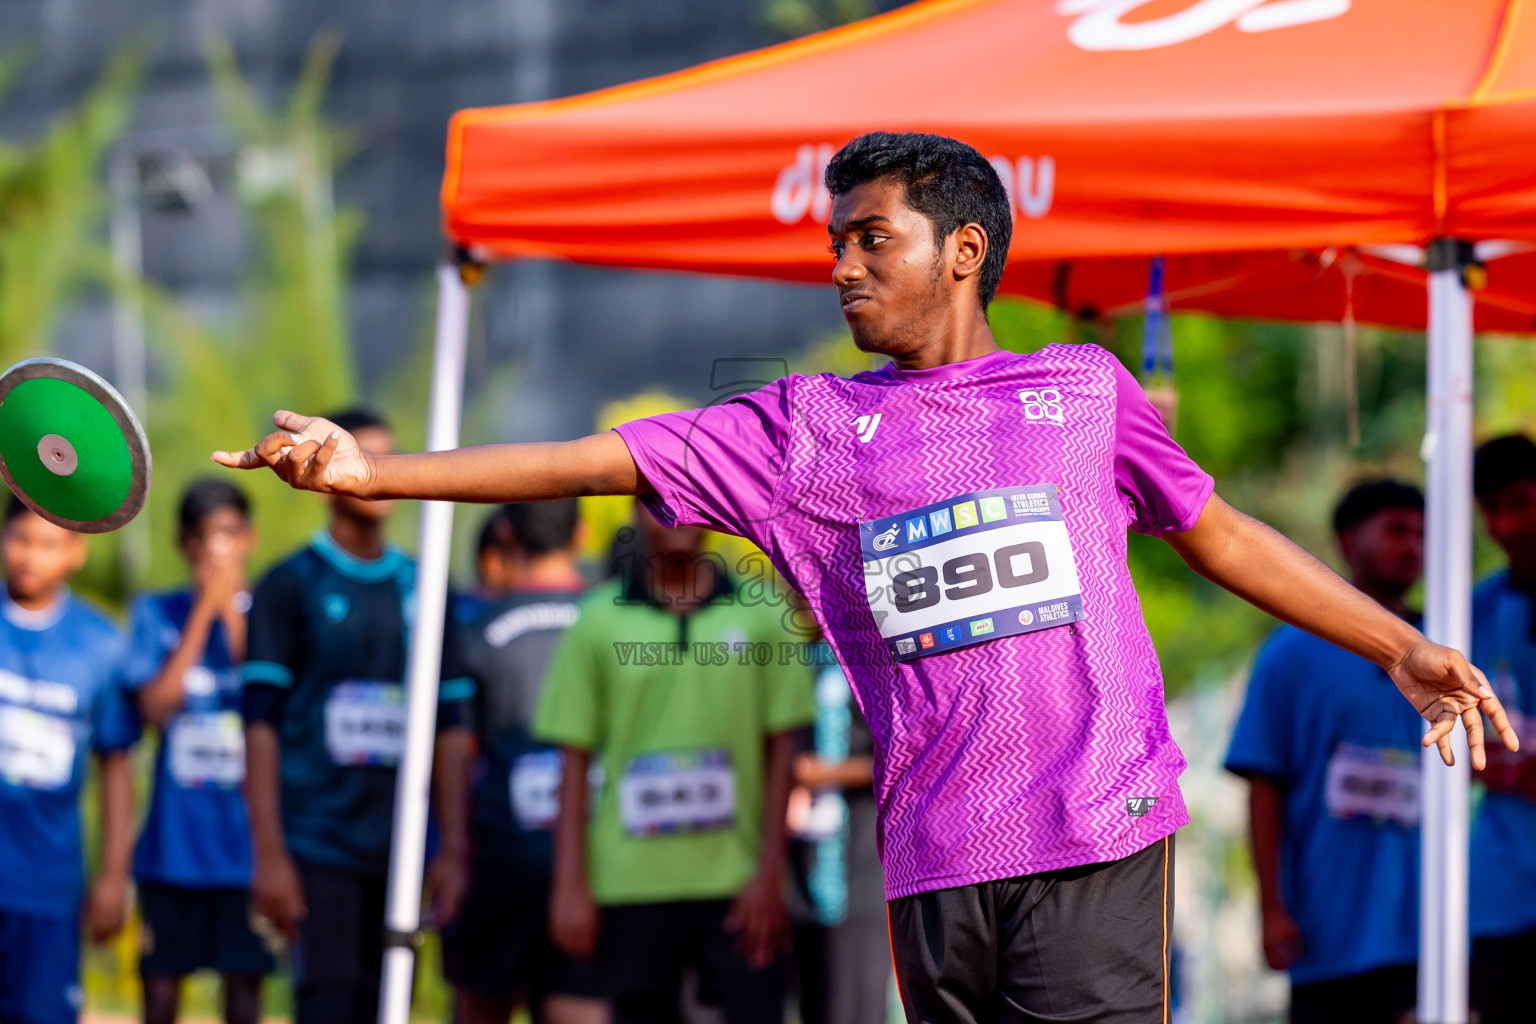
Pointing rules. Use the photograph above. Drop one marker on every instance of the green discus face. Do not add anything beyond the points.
(70, 447)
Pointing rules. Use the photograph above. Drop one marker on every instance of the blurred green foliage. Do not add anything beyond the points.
(800, 17)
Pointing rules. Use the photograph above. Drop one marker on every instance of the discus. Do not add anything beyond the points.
(70, 447)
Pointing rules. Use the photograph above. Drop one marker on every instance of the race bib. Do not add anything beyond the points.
(365, 723)
(678, 792)
(36, 750)
(206, 749)
(535, 787)
(976, 567)
(1380, 783)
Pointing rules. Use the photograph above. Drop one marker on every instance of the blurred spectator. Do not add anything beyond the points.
(325, 729)
(1503, 896)
(1331, 752)
(193, 863)
(683, 694)
(60, 695)
(842, 943)
(498, 951)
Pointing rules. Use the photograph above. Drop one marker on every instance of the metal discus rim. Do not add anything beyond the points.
(141, 466)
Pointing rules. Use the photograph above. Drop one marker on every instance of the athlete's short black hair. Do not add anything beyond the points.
(14, 509)
(1370, 497)
(204, 497)
(1506, 460)
(358, 417)
(946, 181)
(537, 527)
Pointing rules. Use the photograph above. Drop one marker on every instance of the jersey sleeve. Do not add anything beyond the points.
(569, 712)
(1166, 490)
(274, 631)
(717, 466)
(456, 687)
(146, 648)
(789, 687)
(1261, 740)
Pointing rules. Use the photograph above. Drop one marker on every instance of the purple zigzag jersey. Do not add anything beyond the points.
(1009, 754)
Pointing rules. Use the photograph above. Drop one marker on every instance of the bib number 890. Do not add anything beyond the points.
(968, 576)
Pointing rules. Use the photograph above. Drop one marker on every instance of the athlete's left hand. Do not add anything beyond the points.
(447, 885)
(106, 909)
(760, 919)
(1443, 686)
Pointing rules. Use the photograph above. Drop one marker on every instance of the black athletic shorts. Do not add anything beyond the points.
(186, 930)
(499, 947)
(1381, 996)
(644, 947)
(339, 954)
(1087, 943)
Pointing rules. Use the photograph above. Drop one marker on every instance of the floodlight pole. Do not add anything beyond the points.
(1444, 832)
(407, 850)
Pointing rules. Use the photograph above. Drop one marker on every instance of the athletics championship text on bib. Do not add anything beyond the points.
(365, 723)
(206, 749)
(977, 567)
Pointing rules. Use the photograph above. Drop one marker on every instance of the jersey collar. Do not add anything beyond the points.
(949, 371)
(375, 570)
(37, 621)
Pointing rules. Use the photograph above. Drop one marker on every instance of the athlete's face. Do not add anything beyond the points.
(373, 439)
(221, 534)
(1510, 515)
(897, 287)
(39, 557)
(1386, 552)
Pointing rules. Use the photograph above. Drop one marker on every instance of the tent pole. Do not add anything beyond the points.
(402, 915)
(1443, 943)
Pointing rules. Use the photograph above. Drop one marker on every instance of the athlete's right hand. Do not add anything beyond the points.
(310, 453)
(573, 920)
(1282, 939)
(278, 895)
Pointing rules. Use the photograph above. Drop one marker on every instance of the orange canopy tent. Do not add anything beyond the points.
(1245, 140)
(1278, 155)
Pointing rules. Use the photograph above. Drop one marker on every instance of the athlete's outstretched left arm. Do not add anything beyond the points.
(1261, 566)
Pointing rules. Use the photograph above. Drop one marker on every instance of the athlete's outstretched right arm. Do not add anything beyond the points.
(313, 454)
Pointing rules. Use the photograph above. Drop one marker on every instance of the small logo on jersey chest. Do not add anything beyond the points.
(1042, 404)
(865, 427)
(335, 606)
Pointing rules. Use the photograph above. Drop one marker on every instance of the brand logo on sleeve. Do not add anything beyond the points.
(865, 427)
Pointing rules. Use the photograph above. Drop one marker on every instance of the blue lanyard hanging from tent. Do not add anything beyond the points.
(1157, 332)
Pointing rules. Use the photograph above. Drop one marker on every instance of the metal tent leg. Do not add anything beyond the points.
(402, 915)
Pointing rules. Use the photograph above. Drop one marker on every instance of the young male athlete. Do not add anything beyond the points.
(1503, 895)
(193, 862)
(60, 697)
(324, 731)
(1331, 756)
(957, 521)
(498, 951)
(681, 861)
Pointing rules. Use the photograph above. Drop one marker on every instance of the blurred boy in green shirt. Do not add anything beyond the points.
(662, 681)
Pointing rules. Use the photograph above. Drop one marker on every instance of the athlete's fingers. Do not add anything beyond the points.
(285, 419)
(247, 459)
(1439, 734)
(322, 459)
(1472, 718)
(298, 462)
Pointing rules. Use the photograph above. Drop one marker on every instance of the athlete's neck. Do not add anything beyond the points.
(39, 602)
(961, 340)
(554, 571)
(360, 538)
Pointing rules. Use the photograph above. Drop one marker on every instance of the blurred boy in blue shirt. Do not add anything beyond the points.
(324, 731)
(1503, 890)
(60, 696)
(1331, 753)
(193, 862)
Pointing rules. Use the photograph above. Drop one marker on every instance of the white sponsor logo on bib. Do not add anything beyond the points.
(206, 749)
(1380, 783)
(36, 750)
(679, 791)
(365, 723)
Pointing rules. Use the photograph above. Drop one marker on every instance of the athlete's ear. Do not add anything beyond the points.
(970, 250)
